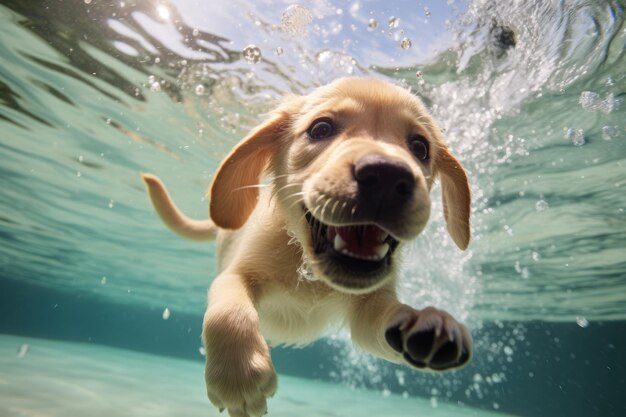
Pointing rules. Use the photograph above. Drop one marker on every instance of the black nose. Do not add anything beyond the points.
(384, 182)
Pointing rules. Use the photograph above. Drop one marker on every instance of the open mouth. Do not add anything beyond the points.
(363, 249)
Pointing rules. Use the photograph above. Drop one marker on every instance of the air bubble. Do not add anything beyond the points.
(279, 51)
(103, 281)
(592, 102)
(87, 1)
(166, 313)
(400, 375)
(199, 90)
(418, 74)
(508, 351)
(427, 11)
(22, 350)
(541, 205)
(582, 321)
(252, 54)
(202, 350)
(576, 136)
(372, 24)
(196, 32)
(536, 256)
(609, 132)
(337, 60)
(394, 22)
(589, 100)
(296, 18)
(155, 86)
(434, 403)
(111, 204)
(406, 43)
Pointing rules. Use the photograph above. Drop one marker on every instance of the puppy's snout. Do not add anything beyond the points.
(387, 182)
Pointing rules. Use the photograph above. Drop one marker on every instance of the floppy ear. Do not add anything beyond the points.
(456, 197)
(234, 194)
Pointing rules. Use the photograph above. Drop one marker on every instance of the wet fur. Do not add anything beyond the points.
(263, 240)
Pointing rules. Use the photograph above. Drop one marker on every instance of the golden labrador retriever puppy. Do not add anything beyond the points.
(351, 166)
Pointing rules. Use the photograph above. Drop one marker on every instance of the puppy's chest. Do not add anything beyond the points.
(300, 315)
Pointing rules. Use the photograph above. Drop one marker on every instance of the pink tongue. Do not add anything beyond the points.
(360, 240)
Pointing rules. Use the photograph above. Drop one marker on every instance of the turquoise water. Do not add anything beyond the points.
(93, 93)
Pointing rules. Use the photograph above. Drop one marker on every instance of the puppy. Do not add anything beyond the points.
(351, 166)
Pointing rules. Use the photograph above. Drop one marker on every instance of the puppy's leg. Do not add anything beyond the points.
(427, 338)
(239, 373)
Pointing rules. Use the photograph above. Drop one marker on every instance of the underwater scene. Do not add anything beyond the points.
(101, 306)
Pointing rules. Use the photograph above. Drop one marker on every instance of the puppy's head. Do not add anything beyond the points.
(352, 164)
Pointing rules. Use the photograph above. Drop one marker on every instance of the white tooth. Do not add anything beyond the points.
(339, 243)
(382, 250)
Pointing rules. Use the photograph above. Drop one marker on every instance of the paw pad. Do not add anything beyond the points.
(430, 339)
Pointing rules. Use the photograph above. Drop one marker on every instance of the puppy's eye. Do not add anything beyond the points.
(418, 145)
(321, 129)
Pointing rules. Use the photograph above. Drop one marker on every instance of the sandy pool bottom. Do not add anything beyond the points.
(55, 378)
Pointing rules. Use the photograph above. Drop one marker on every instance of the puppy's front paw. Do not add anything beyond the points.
(429, 338)
(239, 374)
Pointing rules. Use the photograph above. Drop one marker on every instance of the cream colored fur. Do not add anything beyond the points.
(272, 285)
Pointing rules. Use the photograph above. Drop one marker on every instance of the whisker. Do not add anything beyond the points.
(317, 224)
(343, 207)
(332, 211)
(315, 210)
(294, 184)
(298, 201)
(280, 176)
(304, 213)
(249, 186)
(299, 193)
(318, 232)
(325, 205)
(277, 191)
